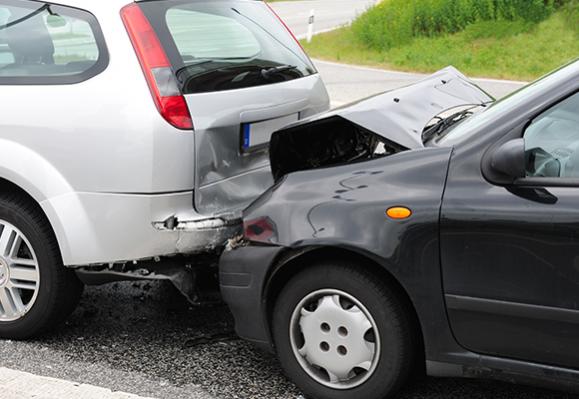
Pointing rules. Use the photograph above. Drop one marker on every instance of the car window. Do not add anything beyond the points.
(45, 43)
(204, 35)
(225, 44)
(552, 141)
(507, 105)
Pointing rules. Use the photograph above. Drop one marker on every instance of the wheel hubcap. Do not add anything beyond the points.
(335, 339)
(19, 273)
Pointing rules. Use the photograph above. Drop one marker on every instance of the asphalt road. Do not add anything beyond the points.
(348, 83)
(328, 13)
(145, 339)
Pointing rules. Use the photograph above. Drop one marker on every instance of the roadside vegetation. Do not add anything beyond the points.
(513, 39)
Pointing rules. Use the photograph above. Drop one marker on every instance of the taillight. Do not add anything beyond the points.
(285, 25)
(157, 68)
(260, 230)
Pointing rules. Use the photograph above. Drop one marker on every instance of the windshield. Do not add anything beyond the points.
(465, 129)
(225, 45)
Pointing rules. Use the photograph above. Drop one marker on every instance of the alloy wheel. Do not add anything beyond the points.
(19, 273)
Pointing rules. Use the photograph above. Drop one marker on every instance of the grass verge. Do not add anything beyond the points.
(498, 49)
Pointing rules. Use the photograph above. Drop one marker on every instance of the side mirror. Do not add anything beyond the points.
(509, 159)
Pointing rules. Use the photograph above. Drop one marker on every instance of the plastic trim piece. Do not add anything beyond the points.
(505, 308)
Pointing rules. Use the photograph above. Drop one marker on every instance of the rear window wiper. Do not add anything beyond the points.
(204, 61)
(180, 71)
(267, 73)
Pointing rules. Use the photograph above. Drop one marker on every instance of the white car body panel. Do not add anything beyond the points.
(104, 165)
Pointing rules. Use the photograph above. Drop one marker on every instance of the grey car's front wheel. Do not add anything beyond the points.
(36, 290)
(341, 333)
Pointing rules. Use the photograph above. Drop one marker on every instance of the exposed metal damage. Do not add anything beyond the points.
(324, 143)
(378, 126)
(204, 235)
(194, 276)
(193, 273)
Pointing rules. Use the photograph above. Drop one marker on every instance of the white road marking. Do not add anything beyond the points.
(19, 385)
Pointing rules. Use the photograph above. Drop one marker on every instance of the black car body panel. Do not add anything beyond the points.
(489, 266)
(509, 251)
(400, 115)
(360, 193)
(380, 125)
(243, 276)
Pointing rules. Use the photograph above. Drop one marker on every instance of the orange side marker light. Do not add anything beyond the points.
(399, 212)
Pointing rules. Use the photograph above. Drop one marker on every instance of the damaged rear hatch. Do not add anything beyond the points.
(382, 125)
(243, 76)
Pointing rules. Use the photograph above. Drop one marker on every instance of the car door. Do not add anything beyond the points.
(243, 76)
(510, 253)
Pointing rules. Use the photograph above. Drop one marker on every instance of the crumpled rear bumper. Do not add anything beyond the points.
(201, 235)
(106, 228)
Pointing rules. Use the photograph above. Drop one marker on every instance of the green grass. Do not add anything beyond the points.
(494, 48)
(392, 23)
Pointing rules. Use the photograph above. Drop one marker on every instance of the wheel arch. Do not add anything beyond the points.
(25, 171)
(291, 262)
(9, 187)
(60, 295)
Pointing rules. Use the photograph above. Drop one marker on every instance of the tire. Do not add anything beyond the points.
(38, 292)
(393, 347)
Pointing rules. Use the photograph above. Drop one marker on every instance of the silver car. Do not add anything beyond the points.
(132, 136)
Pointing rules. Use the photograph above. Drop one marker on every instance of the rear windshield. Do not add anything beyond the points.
(225, 45)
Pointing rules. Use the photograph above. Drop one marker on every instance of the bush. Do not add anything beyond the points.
(392, 23)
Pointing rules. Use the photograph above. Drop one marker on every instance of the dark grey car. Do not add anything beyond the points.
(399, 236)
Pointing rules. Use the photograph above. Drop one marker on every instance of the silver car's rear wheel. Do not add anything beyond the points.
(36, 291)
(335, 339)
(19, 273)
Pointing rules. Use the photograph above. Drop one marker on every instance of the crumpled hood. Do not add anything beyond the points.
(401, 115)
